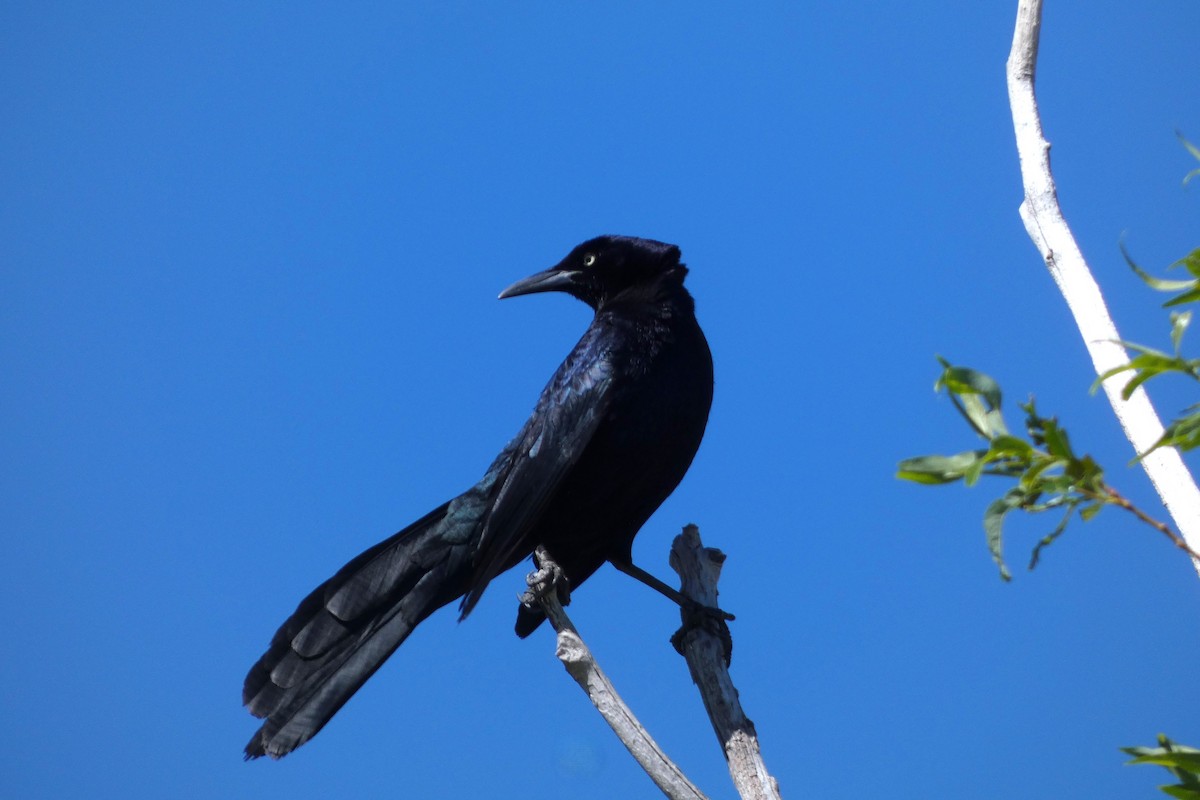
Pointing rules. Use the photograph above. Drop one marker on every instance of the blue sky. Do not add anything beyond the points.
(249, 258)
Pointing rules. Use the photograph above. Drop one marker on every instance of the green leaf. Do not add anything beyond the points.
(1191, 148)
(964, 380)
(1165, 745)
(986, 421)
(929, 480)
(1179, 757)
(1158, 284)
(993, 527)
(1108, 373)
(1183, 433)
(1007, 444)
(1056, 440)
(1151, 363)
(937, 469)
(1149, 353)
(1034, 422)
(1181, 761)
(1036, 508)
(1190, 262)
(1136, 381)
(1190, 290)
(1033, 476)
(1090, 475)
(1058, 484)
(1179, 326)
(971, 476)
(975, 395)
(1090, 510)
(1190, 296)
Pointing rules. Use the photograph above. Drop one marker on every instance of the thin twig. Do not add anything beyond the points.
(582, 666)
(1120, 501)
(1049, 231)
(707, 652)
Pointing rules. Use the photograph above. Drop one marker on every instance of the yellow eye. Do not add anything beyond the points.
(589, 259)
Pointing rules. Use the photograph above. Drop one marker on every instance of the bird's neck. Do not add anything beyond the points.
(664, 296)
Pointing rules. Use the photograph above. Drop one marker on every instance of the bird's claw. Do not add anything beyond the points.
(706, 618)
(549, 576)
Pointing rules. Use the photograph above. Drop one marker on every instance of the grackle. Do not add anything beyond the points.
(611, 436)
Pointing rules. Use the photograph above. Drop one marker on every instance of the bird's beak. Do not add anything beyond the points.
(552, 280)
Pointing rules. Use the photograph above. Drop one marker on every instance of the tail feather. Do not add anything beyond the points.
(345, 629)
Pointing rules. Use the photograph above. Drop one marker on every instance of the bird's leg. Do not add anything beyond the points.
(686, 603)
(548, 576)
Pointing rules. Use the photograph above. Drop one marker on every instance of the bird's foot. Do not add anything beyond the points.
(705, 618)
(549, 576)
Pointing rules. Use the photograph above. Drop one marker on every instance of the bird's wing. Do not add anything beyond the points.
(567, 414)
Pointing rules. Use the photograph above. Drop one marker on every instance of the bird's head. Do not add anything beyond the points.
(609, 269)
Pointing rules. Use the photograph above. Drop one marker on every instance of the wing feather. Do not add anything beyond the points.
(570, 409)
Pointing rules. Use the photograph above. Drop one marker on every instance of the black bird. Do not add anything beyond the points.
(610, 438)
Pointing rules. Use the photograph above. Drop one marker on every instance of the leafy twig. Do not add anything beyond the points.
(1181, 761)
(1184, 432)
(1049, 474)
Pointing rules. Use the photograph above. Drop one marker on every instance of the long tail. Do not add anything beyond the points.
(342, 632)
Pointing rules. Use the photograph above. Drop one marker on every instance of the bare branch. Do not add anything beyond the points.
(1049, 231)
(707, 652)
(582, 666)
